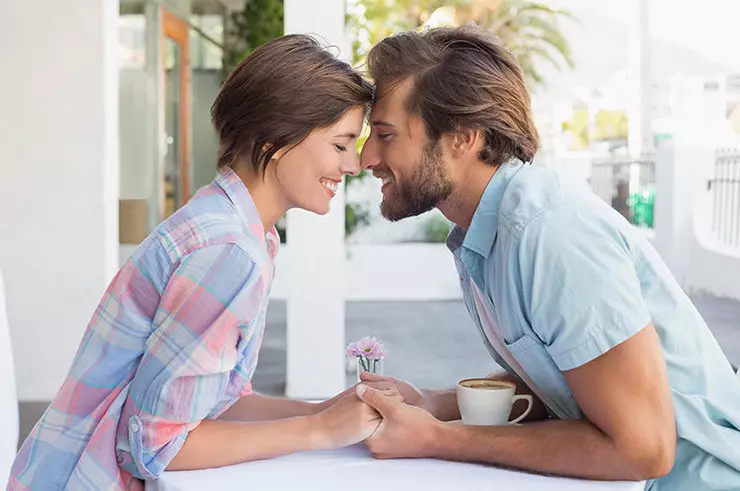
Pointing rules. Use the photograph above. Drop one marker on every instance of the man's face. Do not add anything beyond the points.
(399, 153)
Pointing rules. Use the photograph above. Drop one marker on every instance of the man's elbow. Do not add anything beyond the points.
(654, 460)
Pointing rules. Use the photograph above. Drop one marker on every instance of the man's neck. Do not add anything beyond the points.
(460, 207)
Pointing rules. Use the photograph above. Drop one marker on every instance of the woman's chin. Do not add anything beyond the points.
(318, 208)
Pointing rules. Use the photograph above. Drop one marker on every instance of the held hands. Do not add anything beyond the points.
(404, 427)
(391, 416)
(346, 420)
(405, 431)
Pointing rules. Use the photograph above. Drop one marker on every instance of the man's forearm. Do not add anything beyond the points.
(565, 448)
(258, 407)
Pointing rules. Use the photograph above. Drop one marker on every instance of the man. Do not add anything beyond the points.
(569, 297)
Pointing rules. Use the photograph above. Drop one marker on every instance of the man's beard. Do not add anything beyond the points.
(427, 186)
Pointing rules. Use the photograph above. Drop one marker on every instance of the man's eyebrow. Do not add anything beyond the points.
(381, 123)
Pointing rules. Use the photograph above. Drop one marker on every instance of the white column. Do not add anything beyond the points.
(682, 170)
(58, 178)
(640, 132)
(315, 265)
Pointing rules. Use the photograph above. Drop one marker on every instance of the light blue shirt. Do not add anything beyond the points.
(568, 278)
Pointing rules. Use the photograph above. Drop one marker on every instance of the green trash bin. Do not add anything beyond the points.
(642, 205)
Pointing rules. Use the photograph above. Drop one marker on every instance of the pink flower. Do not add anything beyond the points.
(367, 347)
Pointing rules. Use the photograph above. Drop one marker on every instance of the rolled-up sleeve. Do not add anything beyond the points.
(205, 318)
(579, 281)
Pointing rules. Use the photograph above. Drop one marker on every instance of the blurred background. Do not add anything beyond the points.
(105, 131)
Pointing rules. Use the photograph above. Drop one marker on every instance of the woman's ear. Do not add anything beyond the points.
(266, 147)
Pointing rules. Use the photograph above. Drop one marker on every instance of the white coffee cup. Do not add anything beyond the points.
(485, 402)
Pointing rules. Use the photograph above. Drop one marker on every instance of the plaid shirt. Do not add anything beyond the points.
(173, 341)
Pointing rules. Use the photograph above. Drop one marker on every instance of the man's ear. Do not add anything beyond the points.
(465, 141)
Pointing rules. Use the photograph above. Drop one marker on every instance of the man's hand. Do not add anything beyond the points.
(405, 432)
(380, 383)
(348, 420)
(411, 395)
(442, 404)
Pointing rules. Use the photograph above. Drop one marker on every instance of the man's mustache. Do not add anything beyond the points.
(383, 173)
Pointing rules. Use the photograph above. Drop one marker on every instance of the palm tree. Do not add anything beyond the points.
(530, 30)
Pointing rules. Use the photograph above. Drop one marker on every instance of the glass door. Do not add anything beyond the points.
(176, 173)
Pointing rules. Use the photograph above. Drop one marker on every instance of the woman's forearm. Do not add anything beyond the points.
(258, 407)
(217, 443)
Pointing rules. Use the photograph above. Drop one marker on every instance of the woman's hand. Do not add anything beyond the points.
(348, 420)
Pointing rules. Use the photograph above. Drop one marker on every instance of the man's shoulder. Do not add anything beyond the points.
(537, 194)
(532, 192)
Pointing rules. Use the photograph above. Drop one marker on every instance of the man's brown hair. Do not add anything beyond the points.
(278, 94)
(463, 79)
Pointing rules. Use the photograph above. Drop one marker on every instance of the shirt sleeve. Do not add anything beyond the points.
(205, 315)
(580, 285)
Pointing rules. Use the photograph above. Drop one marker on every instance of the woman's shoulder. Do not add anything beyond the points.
(205, 221)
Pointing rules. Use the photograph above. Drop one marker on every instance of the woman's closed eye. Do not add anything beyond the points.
(340, 148)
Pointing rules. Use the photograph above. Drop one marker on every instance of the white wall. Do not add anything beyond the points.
(394, 272)
(683, 219)
(683, 213)
(58, 178)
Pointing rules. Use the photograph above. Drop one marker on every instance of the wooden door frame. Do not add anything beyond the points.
(179, 31)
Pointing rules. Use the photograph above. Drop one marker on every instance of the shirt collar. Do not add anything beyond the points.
(238, 194)
(484, 225)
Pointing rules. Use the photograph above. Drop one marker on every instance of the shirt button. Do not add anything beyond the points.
(119, 459)
(134, 426)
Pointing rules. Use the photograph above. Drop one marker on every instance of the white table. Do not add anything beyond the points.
(354, 468)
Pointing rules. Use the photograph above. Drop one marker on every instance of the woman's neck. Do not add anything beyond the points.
(264, 191)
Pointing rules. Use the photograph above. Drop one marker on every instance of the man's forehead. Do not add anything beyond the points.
(392, 97)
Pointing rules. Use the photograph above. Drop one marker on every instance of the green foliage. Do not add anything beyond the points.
(610, 125)
(607, 125)
(578, 126)
(355, 214)
(281, 230)
(259, 22)
(436, 229)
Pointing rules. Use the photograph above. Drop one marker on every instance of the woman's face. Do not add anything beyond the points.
(310, 173)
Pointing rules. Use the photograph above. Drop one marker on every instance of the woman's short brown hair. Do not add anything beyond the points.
(463, 79)
(278, 95)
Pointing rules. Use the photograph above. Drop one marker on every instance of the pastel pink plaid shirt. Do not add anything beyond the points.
(173, 341)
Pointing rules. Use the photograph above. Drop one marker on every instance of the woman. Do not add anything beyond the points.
(161, 379)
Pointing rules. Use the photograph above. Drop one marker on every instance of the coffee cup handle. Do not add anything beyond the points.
(530, 403)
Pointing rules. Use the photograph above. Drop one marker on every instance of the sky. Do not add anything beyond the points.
(710, 28)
